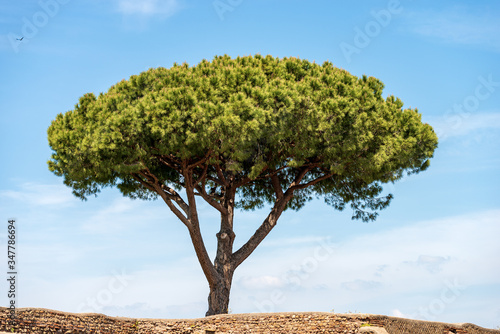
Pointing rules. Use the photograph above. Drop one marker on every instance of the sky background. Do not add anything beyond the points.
(433, 254)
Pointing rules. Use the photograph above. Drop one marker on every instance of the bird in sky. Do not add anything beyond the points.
(20, 39)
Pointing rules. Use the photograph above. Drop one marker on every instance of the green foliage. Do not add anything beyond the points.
(252, 117)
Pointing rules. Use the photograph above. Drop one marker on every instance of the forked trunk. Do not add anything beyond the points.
(218, 299)
(220, 273)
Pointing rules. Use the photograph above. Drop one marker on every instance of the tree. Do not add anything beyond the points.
(239, 134)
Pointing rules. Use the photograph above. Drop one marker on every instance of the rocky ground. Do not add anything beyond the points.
(32, 320)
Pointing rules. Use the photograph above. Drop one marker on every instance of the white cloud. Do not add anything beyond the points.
(299, 241)
(261, 282)
(163, 8)
(359, 284)
(455, 125)
(404, 269)
(459, 26)
(118, 215)
(432, 264)
(32, 194)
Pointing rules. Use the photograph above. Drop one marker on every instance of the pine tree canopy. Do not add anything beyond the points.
(253, 122)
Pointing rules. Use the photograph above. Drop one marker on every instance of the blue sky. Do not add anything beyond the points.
(433, 254)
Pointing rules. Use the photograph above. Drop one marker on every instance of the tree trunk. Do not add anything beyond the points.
(218, 299)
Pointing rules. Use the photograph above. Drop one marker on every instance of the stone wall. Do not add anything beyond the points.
(30, 320)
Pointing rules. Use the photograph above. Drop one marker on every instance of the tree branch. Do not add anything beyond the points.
(302, 172)
(275, 171)
(244, 180)
(173, 195)
(275, 181)
(195, 233)
(215, 180)
(202, 192)
(313, 182)
(143, 183)
(176, 197)
(209, 199)
(200, 162)
(203, 176)
(163, 159)
(279, 206)
(221, 175)
(167, 198)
